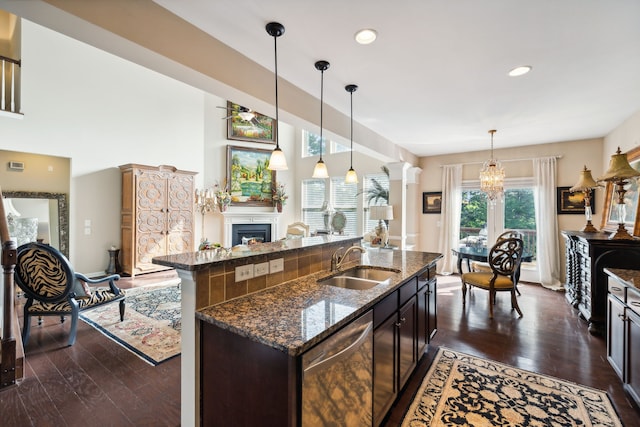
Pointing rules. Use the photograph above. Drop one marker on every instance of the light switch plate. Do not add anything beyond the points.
(260, 269)
(276, 265)
(244, 272)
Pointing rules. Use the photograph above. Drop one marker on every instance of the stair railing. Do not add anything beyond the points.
(8, 345)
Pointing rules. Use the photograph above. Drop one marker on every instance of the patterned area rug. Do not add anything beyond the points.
(152, 322)
(463, 390)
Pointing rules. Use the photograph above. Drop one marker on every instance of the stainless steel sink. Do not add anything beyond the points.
(350, 282)
(360, 278)
(369, 272)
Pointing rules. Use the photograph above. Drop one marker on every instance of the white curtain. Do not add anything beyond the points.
(548, 248)
(450, 217)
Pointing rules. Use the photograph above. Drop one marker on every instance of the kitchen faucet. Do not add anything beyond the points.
(337, 260)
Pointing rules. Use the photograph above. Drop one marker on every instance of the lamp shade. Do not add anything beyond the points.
(320, 170)
(619, 168)
(585, 182)
(277, 161)
(384, 212)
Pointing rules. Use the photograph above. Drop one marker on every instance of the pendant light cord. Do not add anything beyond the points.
(321, 105)
(275, 50)
(351, 158)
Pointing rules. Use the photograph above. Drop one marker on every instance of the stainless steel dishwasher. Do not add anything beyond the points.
(337, 379)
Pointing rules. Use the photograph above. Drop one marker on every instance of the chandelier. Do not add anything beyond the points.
(492, 177)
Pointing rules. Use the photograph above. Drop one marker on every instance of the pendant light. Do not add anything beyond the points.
(320, 171)
(492, 177)
(278, 161)
(352, 176)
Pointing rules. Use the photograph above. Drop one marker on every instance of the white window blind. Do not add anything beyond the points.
(313, 196)
(344, 198)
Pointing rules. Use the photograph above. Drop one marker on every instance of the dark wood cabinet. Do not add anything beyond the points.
(587, 254)
(623, 328)
(404, 323)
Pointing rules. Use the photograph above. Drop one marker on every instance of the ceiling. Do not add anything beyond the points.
(435, 81)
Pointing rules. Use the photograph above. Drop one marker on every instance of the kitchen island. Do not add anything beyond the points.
(252, 348)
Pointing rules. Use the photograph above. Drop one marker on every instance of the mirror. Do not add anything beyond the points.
(33, 203)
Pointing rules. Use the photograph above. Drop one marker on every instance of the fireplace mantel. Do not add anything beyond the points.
(240, 217)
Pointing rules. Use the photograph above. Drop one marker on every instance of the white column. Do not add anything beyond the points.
(398, 199)
(190, 348)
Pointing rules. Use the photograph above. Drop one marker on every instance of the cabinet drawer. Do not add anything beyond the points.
(633, 300)
(384, 309)
(408, 290)
(615, 288)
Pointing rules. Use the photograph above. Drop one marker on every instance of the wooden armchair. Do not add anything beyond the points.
(504, 261)
(297, 230)
(52, 288)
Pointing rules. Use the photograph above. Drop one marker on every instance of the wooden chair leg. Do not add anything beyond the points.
(464, 293)
(121, 310)
(26, 328)
(492, 298)
(74, 325)
(514, 302)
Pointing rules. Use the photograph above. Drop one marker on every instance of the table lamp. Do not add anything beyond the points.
(619, 174)
(585, 184)
(382, 214)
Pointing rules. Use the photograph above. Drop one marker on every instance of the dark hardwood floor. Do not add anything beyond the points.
(550, 339)
(97, 382)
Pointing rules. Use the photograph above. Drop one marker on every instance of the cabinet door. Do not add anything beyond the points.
(615, 334)
(423, 320)
(632, 374)
(151, 199)
(180, 193)
(407, 349)
(385, 378)
(432, 310)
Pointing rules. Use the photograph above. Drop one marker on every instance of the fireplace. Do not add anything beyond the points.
(266, 222)
(250, 233)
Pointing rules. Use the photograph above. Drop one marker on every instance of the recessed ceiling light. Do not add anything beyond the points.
(520, 71)
(366, 36)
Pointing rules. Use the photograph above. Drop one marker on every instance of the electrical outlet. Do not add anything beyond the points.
(261, 269)
(276, 265)
(244, 272)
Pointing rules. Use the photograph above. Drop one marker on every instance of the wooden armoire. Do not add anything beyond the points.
(156, 216)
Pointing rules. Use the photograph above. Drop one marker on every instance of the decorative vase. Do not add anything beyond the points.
(279, 207)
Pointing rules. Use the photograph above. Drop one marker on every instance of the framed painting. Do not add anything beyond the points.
(260, 128)
(609, 210)
(573, 203)
(432, 202)
(248, 176)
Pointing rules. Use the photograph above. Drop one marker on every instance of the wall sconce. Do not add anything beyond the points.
(585, 184)
(619, 174)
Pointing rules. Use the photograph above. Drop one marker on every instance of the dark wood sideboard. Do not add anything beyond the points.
(587, 254)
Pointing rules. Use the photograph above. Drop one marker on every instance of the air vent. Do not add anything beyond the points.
(16, 166)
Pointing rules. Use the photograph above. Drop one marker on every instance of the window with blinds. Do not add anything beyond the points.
(313, 196)
(344, 198)
(375, 186)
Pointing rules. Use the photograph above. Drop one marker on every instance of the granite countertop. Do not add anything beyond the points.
(296, 315)
(191, 261)
(630, 277)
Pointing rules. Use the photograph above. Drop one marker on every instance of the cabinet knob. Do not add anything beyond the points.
(403, 319)
(398, 324)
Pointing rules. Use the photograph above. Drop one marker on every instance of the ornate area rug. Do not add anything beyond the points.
(463, 390)
(152, 322)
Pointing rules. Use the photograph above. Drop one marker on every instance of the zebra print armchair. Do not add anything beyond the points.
(52, 288)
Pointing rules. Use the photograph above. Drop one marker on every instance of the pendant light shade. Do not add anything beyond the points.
(278, 161)
(352, 176)
(492, 177)
(320, 171)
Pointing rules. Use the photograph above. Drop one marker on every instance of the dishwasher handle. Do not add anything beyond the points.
(352, 348)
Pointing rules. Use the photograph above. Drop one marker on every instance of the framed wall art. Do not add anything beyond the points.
(573, 203)
(260, 128)
(609, 210)
(248, 176)
(432, 202)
